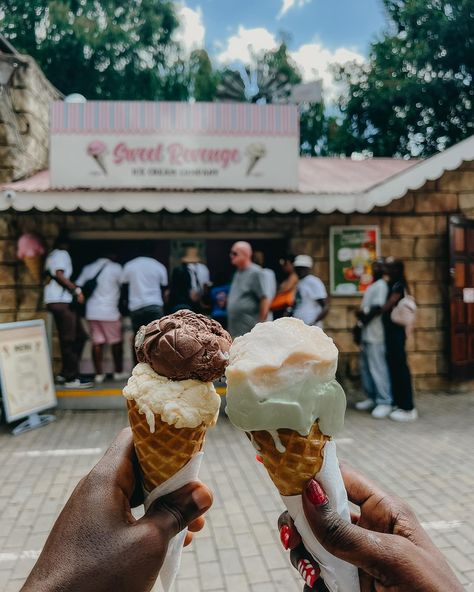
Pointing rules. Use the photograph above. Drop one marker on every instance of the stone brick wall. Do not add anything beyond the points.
(24, 120)
(413, 228)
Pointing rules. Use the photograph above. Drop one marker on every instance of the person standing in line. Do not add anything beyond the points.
(311, 299)
(103, 315)
(247, 303)
(285, 297)
(59, 293)
(145, 279)
(189, 282)
(395, 339)
(269, 279)
(373, 361)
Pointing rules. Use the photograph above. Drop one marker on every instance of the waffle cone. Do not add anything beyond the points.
(34, 266)
(166, 451)
(302, 459)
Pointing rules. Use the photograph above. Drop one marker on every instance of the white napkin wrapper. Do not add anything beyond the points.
(172, 560)
(338, 575)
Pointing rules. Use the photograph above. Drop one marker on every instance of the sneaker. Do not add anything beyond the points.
(99, 378)
(77, 383)
(59, 379)
(381, 411)
(403, 415)
(365, 405)
(121, 375)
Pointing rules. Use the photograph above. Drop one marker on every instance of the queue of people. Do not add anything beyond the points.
(385, 318)
(142, 291)
(104, 292)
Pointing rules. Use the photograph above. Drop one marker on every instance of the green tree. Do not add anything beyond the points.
(415, 95)
(202, 76)
(105, 50)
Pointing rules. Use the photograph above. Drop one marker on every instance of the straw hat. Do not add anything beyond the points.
(191, 255)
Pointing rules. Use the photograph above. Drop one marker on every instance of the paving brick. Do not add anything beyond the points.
(239, 547)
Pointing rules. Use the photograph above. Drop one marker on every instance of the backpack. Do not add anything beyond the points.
(90, 285)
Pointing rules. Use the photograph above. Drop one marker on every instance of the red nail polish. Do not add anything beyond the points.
(308, 572)
(259, 458)
(316, 493)
(285, 533)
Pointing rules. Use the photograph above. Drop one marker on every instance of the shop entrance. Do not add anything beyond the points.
(213, 251)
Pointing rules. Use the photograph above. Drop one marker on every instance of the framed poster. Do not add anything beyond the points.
(26, 375)
(352, 249)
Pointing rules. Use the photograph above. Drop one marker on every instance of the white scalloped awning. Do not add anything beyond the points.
(326, 185)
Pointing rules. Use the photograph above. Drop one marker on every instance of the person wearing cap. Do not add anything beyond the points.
(311, 303)
(189, 281)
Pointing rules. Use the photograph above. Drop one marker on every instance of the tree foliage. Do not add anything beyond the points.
(415, 95)
(104, 49)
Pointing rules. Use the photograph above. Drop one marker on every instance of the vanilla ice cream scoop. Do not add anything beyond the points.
(282, 375)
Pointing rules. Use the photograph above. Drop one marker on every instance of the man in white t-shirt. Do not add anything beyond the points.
(269, 279)
(311, 303)
(147, 279)
(58, 297)
(102, 313)
(373, 362)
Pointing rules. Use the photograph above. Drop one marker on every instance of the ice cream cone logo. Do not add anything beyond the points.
(97, 150)
(254, 153)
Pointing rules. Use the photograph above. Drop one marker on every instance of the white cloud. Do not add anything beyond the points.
(244, 43)
(314, 62)
(191, 31)
(313, 59)
(289, 4)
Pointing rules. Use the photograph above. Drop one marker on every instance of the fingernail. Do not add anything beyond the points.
(316, 493)
(308, 572)
(202, 499)
(259, 458)
(285, 533)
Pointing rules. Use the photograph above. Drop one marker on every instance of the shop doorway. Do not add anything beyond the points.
(214, 252)
(461, 247)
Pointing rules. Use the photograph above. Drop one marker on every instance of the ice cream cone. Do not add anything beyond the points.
(163, 453)
(35, 267)
(100, 160)
(302, 459)
(252, 164)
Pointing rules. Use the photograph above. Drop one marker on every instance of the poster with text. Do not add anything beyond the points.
(26, 375)
(352, 251)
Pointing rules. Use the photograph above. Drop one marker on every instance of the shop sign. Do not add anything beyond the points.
(352, 251)
(25, 369)
(174, 145)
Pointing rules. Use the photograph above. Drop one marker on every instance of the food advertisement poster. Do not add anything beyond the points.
(26, 377)
(352, 251)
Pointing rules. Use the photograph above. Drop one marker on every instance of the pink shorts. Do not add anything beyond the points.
(106, 332)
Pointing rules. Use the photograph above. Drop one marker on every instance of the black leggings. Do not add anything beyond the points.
(400, 376)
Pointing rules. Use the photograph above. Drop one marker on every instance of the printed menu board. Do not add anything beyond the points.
(26, 376)
(352, 251)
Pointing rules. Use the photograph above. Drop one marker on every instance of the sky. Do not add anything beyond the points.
(321, 32)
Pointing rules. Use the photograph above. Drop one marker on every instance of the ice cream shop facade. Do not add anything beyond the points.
(210, 174)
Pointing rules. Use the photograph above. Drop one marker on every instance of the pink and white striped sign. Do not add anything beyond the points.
(174, 145)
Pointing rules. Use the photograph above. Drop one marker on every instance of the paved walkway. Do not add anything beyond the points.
(430, 463)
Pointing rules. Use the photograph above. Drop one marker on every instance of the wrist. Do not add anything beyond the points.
(77, 291)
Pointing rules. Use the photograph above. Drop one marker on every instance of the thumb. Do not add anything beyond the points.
(172, 513)
(366, 549)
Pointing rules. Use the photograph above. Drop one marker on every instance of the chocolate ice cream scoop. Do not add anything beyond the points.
(184, 345)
